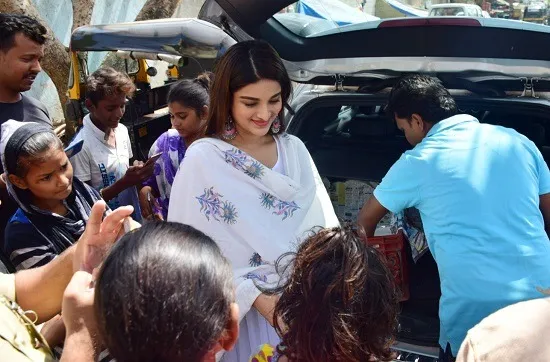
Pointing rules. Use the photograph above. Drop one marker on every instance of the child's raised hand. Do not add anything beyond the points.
(99, 236)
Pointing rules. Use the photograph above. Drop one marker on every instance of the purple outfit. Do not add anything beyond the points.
(172, 146)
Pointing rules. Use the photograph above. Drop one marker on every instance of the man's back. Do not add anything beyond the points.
(477, 188)
(490, 178)
(489, 226)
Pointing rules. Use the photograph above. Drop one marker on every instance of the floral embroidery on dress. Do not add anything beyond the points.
(268, 200)
(255, 260)
(213, 206)
(255, 276)
(280, 207)
(241, 161)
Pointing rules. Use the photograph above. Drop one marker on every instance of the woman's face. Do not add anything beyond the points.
(51, 179)
(187, 121)
(256, 106)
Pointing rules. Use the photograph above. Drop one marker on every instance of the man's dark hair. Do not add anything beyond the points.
(11, 24)
(163, 294)
(423, 95)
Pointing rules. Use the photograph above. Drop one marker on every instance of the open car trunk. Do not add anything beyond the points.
(350, 138)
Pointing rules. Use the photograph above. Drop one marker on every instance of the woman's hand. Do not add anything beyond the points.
(148, 203)
(145, 205)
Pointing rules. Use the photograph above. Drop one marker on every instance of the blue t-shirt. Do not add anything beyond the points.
(477, 188)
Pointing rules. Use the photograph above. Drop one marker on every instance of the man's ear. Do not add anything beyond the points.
(416, 120)
(229, 336)
(18, 181)
(89, 104)
(231, 333)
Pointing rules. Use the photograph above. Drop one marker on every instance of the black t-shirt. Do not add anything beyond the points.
(27, 109)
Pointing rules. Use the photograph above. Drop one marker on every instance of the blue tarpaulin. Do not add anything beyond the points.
(333, 10)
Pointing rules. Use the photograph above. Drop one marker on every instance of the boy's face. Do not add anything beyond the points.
(109, 110)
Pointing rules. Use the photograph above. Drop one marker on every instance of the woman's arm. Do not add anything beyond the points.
(150, 190)
(265, 304)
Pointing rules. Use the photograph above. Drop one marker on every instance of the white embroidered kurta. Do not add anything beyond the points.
(254, 213)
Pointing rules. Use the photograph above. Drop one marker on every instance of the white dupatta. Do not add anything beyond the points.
(254, 214)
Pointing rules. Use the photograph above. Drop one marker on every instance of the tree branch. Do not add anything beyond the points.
(157, 9)
(82, 12)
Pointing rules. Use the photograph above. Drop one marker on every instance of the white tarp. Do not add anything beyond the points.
(406, 9)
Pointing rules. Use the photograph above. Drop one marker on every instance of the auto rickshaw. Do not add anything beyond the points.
(146, 115)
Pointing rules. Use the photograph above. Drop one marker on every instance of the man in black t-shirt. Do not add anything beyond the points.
(21, 49)
(26, 109)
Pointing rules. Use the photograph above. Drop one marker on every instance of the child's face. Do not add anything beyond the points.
(185, 120)
(48, 180)
(109, 110)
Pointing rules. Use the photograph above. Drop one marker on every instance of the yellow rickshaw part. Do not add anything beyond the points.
(74, 89)
(141, 75)
(172, 72)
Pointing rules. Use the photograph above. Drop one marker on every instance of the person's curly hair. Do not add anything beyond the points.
(339, 302)
(11, 24)
(106, 82)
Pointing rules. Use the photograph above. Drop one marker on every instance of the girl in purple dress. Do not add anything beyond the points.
(188, 102)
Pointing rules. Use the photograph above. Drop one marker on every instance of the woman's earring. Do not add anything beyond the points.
(230, 132)
(276, 126)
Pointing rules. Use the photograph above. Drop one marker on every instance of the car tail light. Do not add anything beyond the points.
(451, 21)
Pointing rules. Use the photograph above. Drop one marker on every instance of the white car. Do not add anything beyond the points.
(455, 10)
(496, 69)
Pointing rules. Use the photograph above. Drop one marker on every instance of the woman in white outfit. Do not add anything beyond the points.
(251, 187)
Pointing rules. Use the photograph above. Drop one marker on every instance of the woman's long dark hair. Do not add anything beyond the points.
(163, 294)
(244, 63)
(338, 301)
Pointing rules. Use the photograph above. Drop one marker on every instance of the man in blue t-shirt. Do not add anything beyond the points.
(483, 193)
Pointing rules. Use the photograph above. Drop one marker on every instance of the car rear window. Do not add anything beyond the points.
(311, 18)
